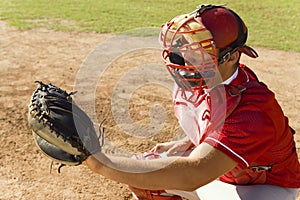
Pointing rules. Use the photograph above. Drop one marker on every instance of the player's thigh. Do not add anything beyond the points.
(220, 190)
(225, 191)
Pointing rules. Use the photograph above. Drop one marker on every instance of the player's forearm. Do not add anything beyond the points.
(168, 173)
(137, 173)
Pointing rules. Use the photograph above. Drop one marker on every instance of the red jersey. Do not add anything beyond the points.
(244, 121)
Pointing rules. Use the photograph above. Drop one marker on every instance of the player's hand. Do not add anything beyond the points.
(173, 147)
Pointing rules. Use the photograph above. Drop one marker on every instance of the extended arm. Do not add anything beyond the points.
(203, 165)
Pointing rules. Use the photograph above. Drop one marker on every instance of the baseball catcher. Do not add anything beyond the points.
(61, 129)
(242, 144)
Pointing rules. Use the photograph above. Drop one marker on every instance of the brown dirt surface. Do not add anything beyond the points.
(57, 57)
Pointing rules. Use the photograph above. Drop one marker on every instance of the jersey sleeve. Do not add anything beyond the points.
(246, 134)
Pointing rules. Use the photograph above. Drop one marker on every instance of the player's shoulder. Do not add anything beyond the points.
(253, 89)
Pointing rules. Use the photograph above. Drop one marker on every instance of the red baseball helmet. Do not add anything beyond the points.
(227, 28)
(195, 43)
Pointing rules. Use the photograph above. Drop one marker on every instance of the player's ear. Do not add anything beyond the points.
(233, 58)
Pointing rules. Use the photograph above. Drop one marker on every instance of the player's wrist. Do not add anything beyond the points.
(93, 164)
(98, 162)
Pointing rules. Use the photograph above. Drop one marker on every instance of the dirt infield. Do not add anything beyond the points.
(57, 57)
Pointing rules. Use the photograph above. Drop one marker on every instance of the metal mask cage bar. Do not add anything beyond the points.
(190, 54)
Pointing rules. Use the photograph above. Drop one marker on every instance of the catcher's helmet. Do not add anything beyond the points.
(228, 30)
(195, 43)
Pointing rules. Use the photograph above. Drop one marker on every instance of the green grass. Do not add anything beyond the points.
(273, 24)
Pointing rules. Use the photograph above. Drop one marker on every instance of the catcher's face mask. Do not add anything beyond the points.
(189, 52)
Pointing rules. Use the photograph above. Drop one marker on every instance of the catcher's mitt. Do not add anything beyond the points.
(62, 130)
